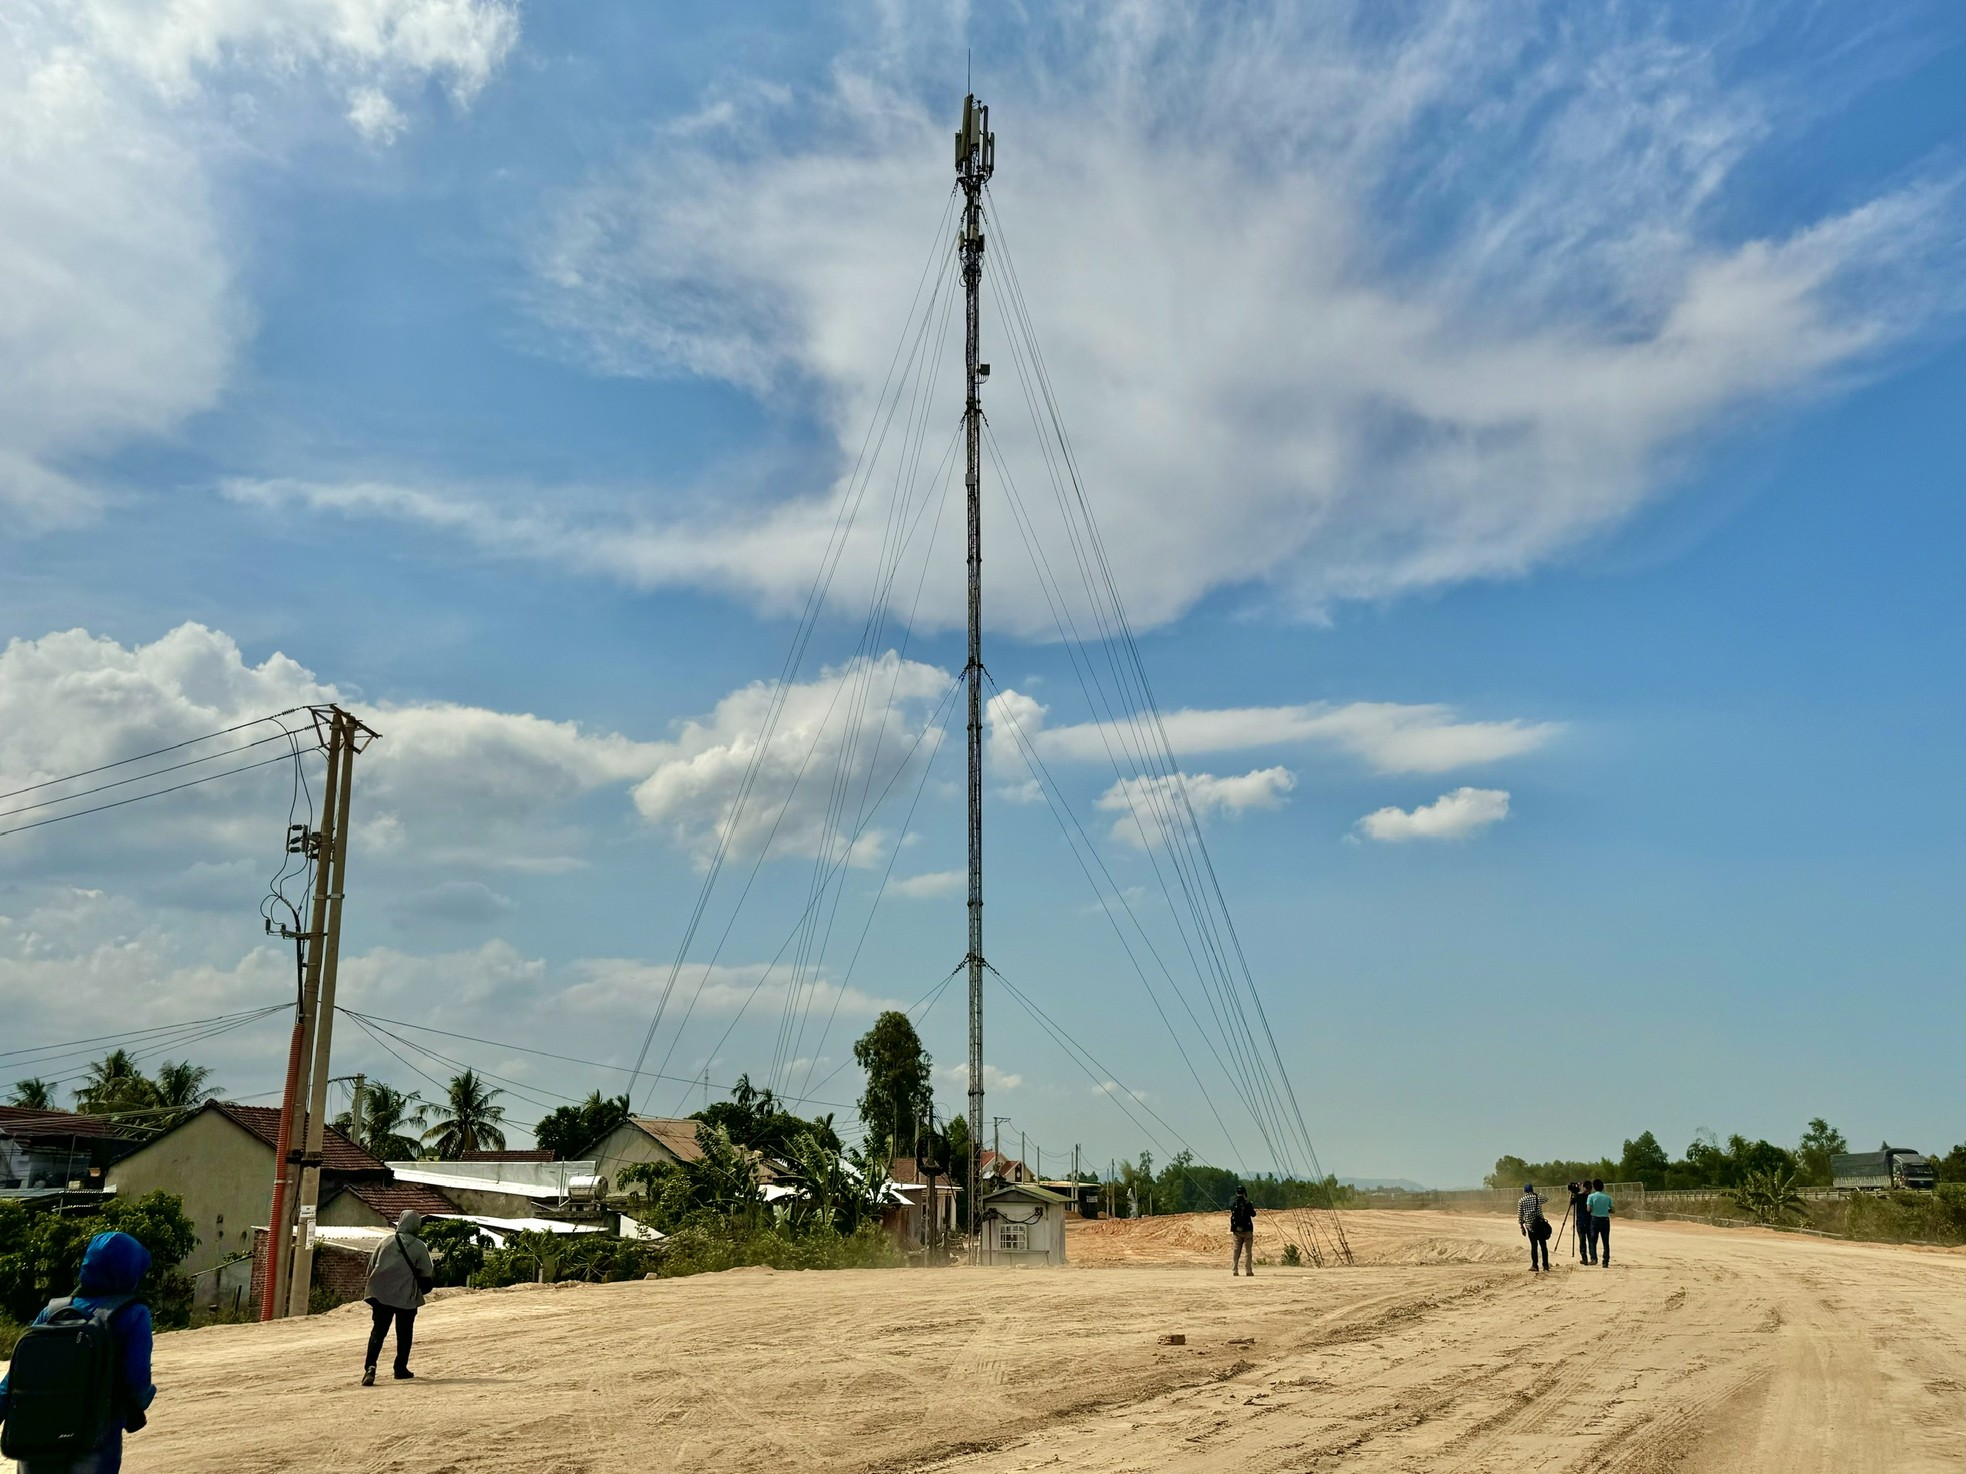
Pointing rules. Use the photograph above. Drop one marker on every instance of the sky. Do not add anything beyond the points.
(1524, 440)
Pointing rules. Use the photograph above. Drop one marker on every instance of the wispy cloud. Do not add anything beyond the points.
(1450, 311)
(120, 307)
(1391, 737)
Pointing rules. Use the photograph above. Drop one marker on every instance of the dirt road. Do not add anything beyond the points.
(1699, 1350)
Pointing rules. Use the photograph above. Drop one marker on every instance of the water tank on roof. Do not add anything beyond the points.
(587, 1187)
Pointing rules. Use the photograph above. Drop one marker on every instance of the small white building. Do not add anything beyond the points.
(1024, 1225)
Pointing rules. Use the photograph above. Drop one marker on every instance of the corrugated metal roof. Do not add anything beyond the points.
(521, 1154)
(678, 1136)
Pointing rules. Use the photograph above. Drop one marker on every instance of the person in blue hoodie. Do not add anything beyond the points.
(112, 1265)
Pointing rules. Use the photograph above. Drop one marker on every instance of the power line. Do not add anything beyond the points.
(145, 777)
(139, 798)
(159, 752)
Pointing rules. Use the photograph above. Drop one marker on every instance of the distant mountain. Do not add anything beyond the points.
(1384, 1184)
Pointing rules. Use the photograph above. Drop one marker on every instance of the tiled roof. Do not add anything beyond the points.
(24, 1124)
(393, 1199)
(338, 1153)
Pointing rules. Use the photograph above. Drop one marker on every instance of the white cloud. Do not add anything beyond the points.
(1392, 737)
(119, 306)
(852, 732)
(445, 784)
(935, 885)
(1442, 301)
(994, 1079)
(1453, 815)
(1149, 803)
(625, 985)
(1114, 1088)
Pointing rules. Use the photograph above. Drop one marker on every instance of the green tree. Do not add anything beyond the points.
(757, 1119)
(34, 1095)
(391, 1119)
(182, 1087)
(115, 1085)
(567, 1131)
(1952, 1166)
(899, 1091)
(41, 1253)
(1819, 1143)
(468, 1118)
(1644, 1160)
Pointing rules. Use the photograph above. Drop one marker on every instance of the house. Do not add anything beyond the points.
(511, 1188)
(1024, 1225)
(219, 1160)
(994, 1166)
(909, 1181)
(51, 1149)
(645, 1139)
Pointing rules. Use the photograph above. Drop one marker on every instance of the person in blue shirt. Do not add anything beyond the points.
(112, 1265)
(1600, 1205)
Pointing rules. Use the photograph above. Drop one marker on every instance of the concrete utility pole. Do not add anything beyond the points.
(976, 160)
(355, 1109)
(303, 1111)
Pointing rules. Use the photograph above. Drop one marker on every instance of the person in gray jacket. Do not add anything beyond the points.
(401, 1273)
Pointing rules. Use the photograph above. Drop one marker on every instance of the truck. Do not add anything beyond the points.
(1893, 1167)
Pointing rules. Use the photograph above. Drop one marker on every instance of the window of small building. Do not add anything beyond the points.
(1013, 1235)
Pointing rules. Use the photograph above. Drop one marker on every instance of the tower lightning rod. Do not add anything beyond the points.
(976, 161)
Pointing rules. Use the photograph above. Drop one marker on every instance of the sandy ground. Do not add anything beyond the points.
(1700, 1350)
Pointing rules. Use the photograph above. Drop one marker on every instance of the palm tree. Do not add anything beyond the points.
(389, 1116)
(33, 1095)
(182, 1087)
(467, 1118)
(114, 1086)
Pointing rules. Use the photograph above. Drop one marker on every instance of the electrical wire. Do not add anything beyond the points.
(144, 756)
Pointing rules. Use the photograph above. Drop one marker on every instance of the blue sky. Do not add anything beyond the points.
(1527, 444)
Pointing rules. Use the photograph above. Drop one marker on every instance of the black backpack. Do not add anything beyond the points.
(61, 1388)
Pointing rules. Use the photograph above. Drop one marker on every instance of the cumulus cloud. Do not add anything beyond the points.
(1452, 311)
(1151, 804)
(446, 783)
(120, 313)
(1454, 815)
(853, 731)
(994, 1079)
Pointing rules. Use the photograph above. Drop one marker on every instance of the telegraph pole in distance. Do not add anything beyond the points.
(354, 737)
(976, 160)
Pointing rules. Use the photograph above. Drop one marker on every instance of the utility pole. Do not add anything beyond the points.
(355, 1110)
(976, 161)
(291, 1264)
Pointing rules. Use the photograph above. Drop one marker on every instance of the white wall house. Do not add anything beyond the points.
(1024, 1225)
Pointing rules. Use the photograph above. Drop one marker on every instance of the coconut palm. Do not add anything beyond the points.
(390, 1117)
(33, 1095)
(181, 1086)
(468, 1118)
(114, 1086)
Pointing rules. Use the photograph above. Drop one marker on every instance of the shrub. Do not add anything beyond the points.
(1292, 1255)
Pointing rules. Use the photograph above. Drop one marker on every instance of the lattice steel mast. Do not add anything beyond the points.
(976, 160)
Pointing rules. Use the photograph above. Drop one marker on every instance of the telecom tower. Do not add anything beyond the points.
(976, 161)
